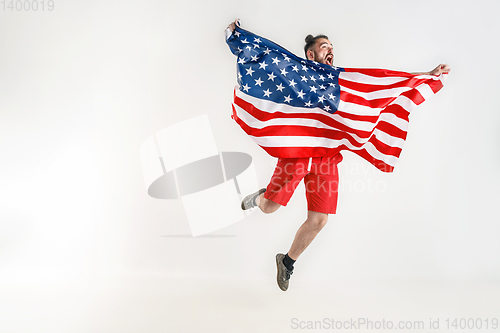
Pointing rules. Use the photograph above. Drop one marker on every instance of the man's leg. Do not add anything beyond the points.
(266, 206)
(307, 232)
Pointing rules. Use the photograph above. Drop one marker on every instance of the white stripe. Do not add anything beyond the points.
(425, 91)
(357, 109)
(367, 79)
(405, 103)
(385, 93)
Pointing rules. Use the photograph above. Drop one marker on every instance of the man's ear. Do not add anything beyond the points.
(310, 55)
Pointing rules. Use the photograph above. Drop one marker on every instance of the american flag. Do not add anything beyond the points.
(293, 107)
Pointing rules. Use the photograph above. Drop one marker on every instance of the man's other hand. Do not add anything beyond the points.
(442, 68)
(233, 25)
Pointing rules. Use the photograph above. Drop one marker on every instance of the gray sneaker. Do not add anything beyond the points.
(283, 272)
(249, 201)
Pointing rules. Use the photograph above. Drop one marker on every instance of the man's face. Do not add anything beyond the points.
(321, 52)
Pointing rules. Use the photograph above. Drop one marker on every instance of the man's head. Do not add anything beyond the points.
(319, 49)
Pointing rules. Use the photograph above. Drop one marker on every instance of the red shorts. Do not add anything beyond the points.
(322, 182)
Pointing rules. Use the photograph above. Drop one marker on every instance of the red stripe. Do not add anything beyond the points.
(366, 88)
(436, 85)
(374, 103)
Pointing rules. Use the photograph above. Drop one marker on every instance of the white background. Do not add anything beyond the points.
(84, 248)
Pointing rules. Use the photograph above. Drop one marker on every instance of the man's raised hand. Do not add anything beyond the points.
(442, 68)
(233, 25)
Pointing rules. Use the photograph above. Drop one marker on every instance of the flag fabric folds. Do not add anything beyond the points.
(295, 108)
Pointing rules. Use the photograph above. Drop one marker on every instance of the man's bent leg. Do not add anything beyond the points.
(266, 206)
(307, 232)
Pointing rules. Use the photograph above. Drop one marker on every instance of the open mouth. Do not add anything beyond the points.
(329, 59)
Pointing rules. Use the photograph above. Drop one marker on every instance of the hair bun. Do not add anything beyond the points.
(309, 38)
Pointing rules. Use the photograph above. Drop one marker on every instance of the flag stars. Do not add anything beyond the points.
(292, 83)
(303, 78)
(267, 93)
(256, 46)
(308, 103)
(327, 108)
(280, 87)
(244, 41)
(271, 76)
(258, 82)
(250, 71)
(288, 99)
(286, 58)
(331, 97)
(249, 48)
(254, 58)
(237, 33)
(332, 84)
(263, 65)
(322, 87)
(301, 94)
(257, 40)
(276, 60)
(241, 60)
(246, 87)
(321, 77)
(321, 99)
(330, 76)
(313, 78)
(304, 68)
(283, 72)
(313, 89)
(267, 51)
(295, 69)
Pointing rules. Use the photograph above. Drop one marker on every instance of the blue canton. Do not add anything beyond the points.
(270, 72)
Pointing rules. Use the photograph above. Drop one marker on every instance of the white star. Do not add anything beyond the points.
(331, 97)
(249, 48)
(254, 58)
(246, 87)
(280, 87)
(288, 99)
(332, 84)
(313, 68)
(301, 94)
(295, 69)
(258, 82)
(244, 41)
(308, 103)
(250, 71)
(283, 72)
(239, 76)
(271, 76)
(313, 78)
(292, 83)
(304, 68)
(241, 61)
(330, 76)
(256, 46)
(276, 60)
(240, 49)
(322, 87)
(286, 58)
(321, 77)
(321, 99)
(267, 93)
(303, 78)
(327, 108)
(334, 67)
(237, 33)
(263, 65)
(267, 51)
(257, 40)
(313, 89)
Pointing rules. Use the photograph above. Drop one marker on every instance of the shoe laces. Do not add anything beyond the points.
(288, 274)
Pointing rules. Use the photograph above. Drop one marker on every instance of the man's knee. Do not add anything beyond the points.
(317, 220)
(267, 206)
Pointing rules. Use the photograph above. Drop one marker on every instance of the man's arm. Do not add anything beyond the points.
(442, 68)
